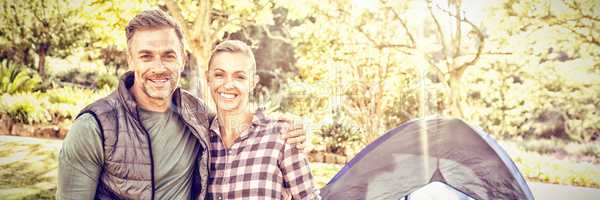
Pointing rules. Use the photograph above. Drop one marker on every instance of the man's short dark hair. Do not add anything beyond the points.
(152, 19)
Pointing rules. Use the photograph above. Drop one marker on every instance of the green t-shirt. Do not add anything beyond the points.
(174, 150)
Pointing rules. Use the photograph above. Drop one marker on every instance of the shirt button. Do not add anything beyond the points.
(219, 197)
(230, 152)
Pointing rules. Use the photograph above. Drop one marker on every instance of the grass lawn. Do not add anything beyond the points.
(28, 167)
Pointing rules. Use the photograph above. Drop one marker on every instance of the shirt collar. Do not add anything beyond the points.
(258, 119)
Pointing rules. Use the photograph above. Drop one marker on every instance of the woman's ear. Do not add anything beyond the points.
(207, 77)
(256, 80)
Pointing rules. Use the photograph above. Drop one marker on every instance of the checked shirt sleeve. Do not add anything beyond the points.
(297, 176)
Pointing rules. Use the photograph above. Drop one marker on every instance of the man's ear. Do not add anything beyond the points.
(130, 63)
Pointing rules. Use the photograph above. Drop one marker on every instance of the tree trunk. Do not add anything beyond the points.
(198, 84)
(42, 51)
(25, 59)
(455, 95)
(200, 40)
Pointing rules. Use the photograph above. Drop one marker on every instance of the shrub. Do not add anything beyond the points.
(107, 80)
(552, 146)
(586, 149)
(306, 100)
(543, 146)
(66, 102)
(53, 106)
(14, 78)
(545, 168)
(24, 108)
(339, 136)
(89, 79)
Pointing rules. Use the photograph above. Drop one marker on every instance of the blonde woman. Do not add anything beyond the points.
(249, 158)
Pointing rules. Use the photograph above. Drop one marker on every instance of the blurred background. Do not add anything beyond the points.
(526, 72)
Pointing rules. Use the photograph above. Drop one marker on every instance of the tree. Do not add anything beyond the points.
(46, 28)
(356, 58)
(107, 19)
(460, 50)
(205, 23)
(556, 42)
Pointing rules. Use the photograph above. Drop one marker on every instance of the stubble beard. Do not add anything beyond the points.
(162, 94)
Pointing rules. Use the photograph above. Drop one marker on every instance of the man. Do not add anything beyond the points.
(148, 139)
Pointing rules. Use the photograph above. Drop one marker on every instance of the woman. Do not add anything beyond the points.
(249, 159)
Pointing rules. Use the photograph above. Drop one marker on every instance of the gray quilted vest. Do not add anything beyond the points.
(128, 168)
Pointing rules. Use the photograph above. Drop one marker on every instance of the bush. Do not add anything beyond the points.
(587, 149)
(89, 79)
(306, 100)
(24, 108)
(53, 106)
(339, 136)
(545, 168)
(543, 146)
(66, 102)
(107, 80)
(553, 146)
(14, 78)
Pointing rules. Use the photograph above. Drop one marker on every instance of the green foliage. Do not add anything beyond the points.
(89, 78)
(545, 64)
(107, 20)
(305, 100)
(77, 76)
(107, 80)
(342, 52)
(506, 99)
(55, 105)
(24, 108)
(28, 168)
(548, 169)
(14, 79)
(586, 151)
(46, 28)
(339, 134)
(67, 102)
(322, 173)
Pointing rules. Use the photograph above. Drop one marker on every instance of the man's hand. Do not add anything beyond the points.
(296, 134)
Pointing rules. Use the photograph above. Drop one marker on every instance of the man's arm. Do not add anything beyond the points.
(80, 160)
(297, 176)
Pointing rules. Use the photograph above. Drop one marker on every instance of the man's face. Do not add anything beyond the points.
(155, 56)
(231, 78)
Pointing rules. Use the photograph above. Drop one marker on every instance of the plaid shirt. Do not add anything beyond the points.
(259, 165)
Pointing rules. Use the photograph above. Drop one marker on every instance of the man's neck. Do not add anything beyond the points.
(148, 103)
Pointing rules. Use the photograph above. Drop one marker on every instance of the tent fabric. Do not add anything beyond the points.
(422, 151)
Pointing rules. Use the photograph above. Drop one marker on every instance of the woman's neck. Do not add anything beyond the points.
(231, 124)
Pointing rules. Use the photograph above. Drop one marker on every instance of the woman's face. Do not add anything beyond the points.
(231, 77)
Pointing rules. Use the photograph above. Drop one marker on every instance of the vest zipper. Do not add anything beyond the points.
(205, 147)
(151, 154)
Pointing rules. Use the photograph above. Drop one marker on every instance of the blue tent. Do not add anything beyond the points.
(420, 155)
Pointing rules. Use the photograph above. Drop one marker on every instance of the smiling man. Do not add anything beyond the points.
(149, 138)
